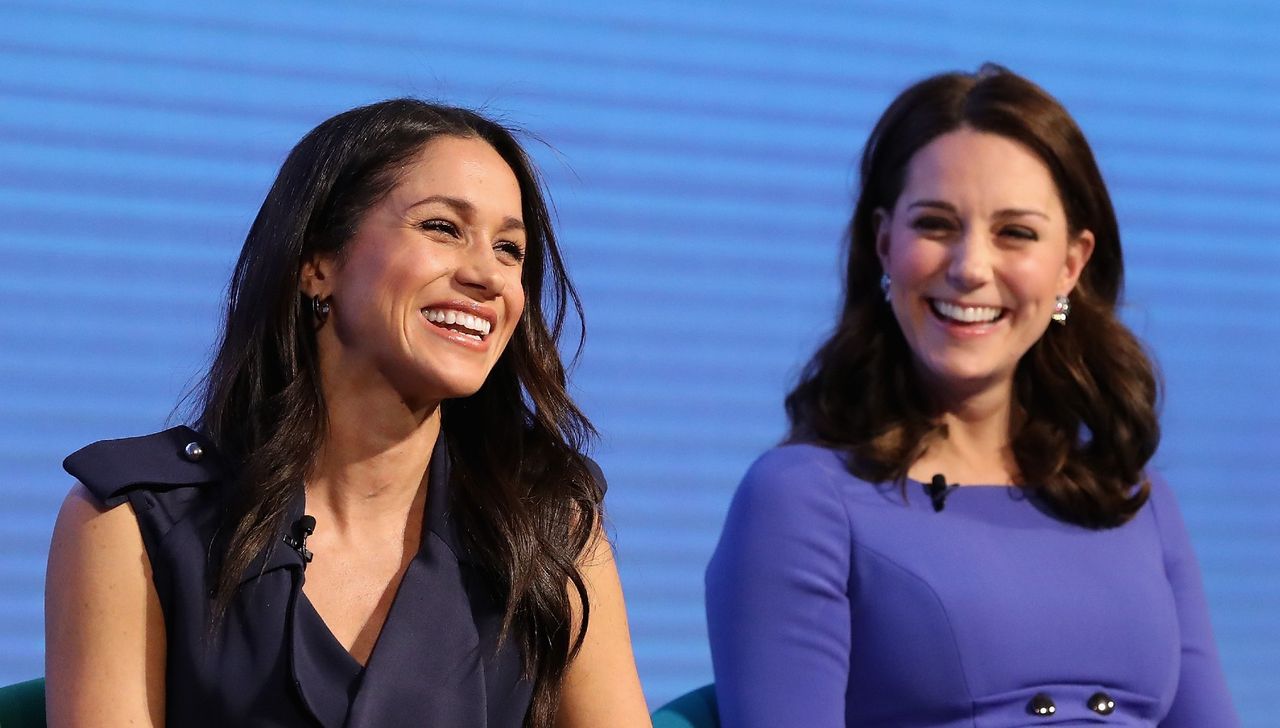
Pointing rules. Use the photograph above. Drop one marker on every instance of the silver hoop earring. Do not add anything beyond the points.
(320, 308)
(885, 282)
(1061, 307)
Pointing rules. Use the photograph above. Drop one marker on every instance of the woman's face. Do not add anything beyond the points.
(977, 249)
(427, 293)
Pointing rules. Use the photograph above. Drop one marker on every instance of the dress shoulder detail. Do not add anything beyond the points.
(176, 457)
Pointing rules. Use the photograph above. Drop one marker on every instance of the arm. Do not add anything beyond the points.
(778, 600)
(104, 631)
(601, 686)
(1202, 698)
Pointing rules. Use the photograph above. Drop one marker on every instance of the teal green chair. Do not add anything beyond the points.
(694, 709)
(22, 705)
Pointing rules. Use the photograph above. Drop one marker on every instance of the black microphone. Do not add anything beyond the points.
(938, 491)
(304, 526)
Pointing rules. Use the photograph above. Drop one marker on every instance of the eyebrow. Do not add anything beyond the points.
(466, 210)
(1006, 212)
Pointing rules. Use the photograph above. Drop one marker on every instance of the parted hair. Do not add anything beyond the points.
(523, 493)
(1085, 395)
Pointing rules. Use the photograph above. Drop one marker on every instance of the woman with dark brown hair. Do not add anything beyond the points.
(962, 528)
(382, 515)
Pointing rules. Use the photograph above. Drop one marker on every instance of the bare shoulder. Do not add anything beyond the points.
(84, 520)
(93, 544)
(104, 632)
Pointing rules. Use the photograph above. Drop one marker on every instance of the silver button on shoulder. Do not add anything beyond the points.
(193, 451)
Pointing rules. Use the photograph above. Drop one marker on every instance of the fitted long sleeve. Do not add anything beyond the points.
(777, 600)
(1202, 697)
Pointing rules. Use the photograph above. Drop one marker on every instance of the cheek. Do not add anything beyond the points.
(378, 274)
(511, 303)
(914, 261)
(515, 306)
(1034, 278)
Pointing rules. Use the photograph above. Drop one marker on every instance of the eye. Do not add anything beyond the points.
(933, 224)
(1019, 232)
(437, 225)
(509, 251)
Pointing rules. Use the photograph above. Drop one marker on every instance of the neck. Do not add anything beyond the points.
(976, 448)
(371, 470)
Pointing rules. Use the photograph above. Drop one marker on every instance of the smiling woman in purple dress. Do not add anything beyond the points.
(962, 529)
(382, 515)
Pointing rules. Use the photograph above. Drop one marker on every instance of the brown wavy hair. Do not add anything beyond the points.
(526, 499)
(1084, 419)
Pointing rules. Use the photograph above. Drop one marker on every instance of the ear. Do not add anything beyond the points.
(882, 221)
(1078, 251)
(316, 277)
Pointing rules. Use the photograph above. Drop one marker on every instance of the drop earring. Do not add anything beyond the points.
(1061, 307)
(320, 308)
(885, 281)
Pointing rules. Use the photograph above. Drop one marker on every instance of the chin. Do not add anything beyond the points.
(458, 390)
(962, 376)
(422, 385)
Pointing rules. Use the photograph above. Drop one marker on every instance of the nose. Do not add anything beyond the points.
(970, 265)
(480, 270)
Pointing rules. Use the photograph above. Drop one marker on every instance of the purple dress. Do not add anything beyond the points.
(832, 602)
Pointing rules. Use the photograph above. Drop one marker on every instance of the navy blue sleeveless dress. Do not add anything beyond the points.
(274, 662)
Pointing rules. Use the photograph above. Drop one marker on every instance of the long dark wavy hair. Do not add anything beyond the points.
(524, 496)
(1084, 419)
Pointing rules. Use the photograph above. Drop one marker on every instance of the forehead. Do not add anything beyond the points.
(979, 168)
(466, 168)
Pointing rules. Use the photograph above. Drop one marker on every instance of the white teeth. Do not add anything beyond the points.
(965, 314)
(477, 327)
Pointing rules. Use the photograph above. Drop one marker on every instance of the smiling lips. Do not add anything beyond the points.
(473, 327)
(956, 314)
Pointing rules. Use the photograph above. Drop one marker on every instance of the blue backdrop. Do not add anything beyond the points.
(701, 156)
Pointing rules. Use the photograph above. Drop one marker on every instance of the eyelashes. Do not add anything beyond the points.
(933, 224)
(936, 226)
(439, 226)
(506, 249)
(513, 251)
(1023, 233)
